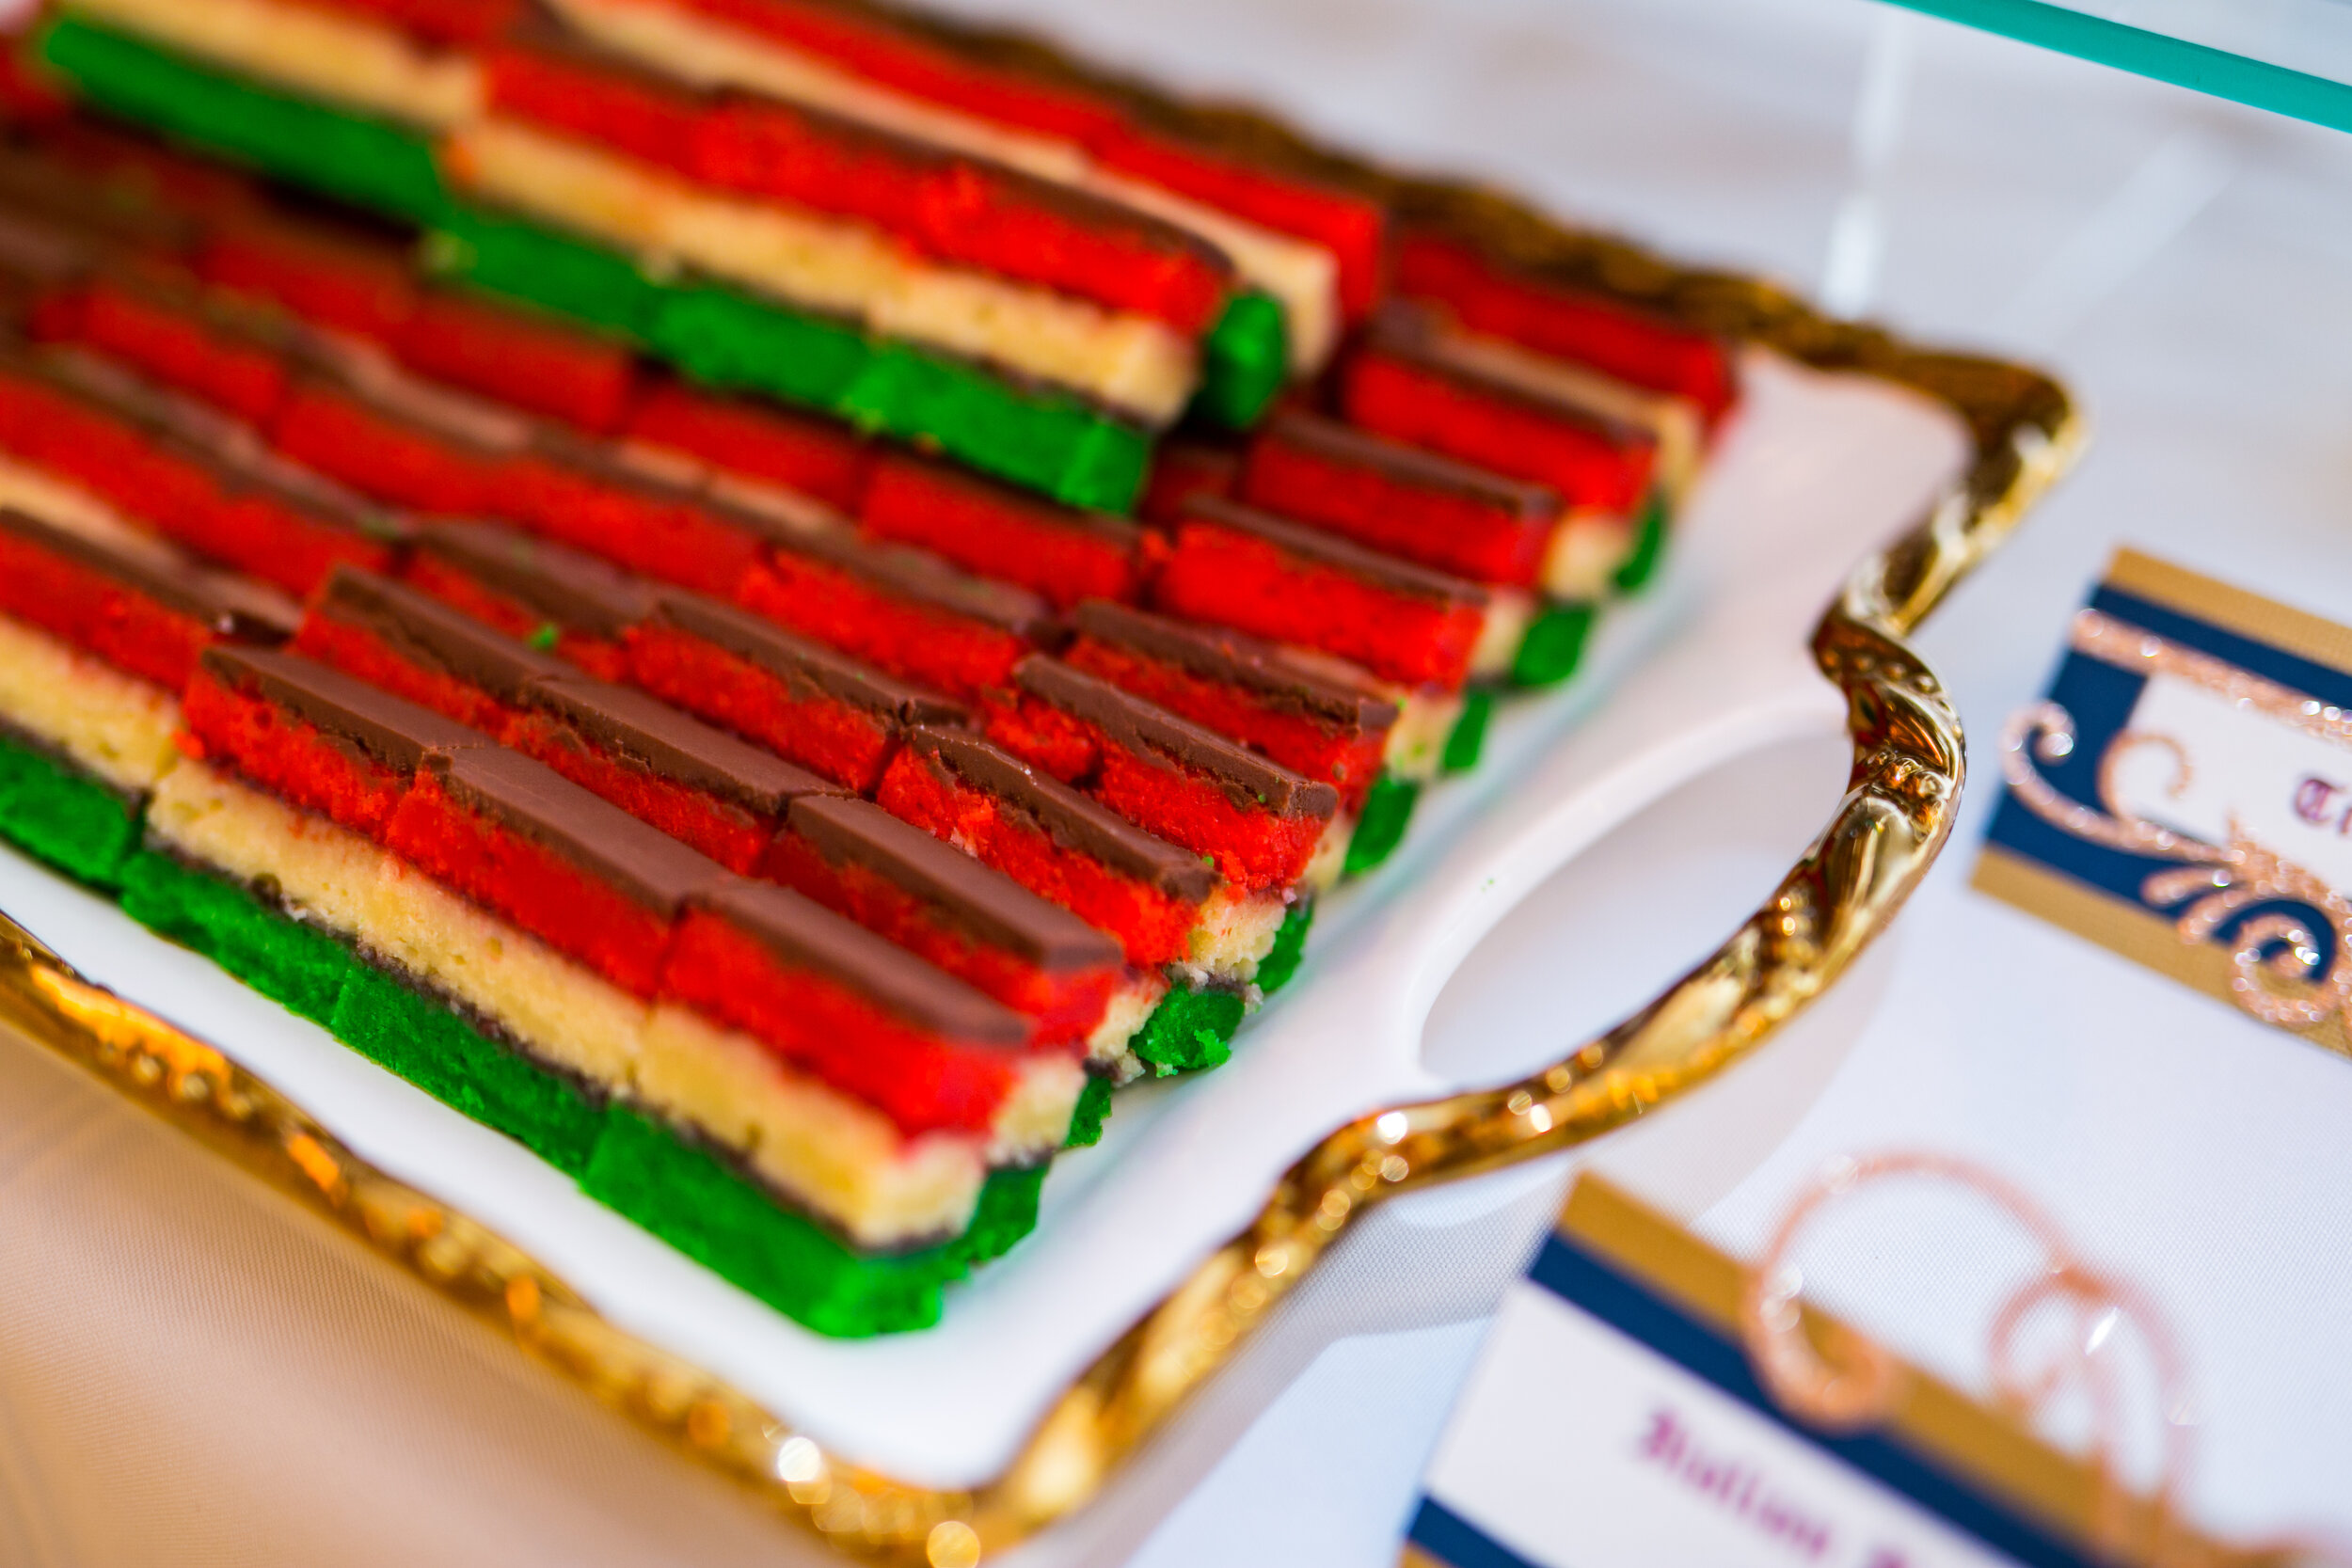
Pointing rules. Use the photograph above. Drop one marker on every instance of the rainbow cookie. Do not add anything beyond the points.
(800, 700)
(98, 636)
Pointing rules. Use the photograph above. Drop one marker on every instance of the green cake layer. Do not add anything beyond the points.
(294, 964)
(1188, 1031)
(673, 1188)
(56, 812)
(1094, 1109)
(1553, 646)
(1388, 811)
(705, 1208)
(1466, 741)
(1290, 945)
(1649, 548)
(1245, 361)
(369, 161)
(435, 1047)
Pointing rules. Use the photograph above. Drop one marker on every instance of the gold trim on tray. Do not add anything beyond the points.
(1892, 823)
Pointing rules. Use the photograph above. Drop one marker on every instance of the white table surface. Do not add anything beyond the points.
(173, 1395)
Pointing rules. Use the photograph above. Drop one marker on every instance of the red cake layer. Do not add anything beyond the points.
(169, 341)
(1396, 498)
(328, 281)
(72, 437)
(603, 658)
(647, 528)
(1152, 924)
(291, 758)
(1185, 471)
(1352, 227)
(1064, 1003)
(753, 441)
(924, 1081)
(873, 49)
(546, 894)
(918, 640)
(958, 209)
(76, 601)
(344, 437)
(1645, 350)
(584, 381)
(1333, 734)
(1238, 577)
(1062, 554)
(1591, 466)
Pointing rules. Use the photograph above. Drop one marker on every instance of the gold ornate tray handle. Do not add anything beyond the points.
(1893, 818)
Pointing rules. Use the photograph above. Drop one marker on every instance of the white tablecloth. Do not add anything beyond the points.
(181, 1355)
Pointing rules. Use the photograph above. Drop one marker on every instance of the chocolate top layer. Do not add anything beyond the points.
(377, 725)
(807, 667)
(67, 195)
(809, 936)
(1414, 333)
(233, 606)
(920, 575)
(1157, 736)
(572, 589)
(429, 633)
(1065, 816)
(651, 734)
(484, 427)
(1217, 654)
(1330, 549)
(1405, 464)
(642, 863)
(39, 250)
(961, 889)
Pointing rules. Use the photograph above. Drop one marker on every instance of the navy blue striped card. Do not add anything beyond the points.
(2183, 793)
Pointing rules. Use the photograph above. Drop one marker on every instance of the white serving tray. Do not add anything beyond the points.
(1816, 472)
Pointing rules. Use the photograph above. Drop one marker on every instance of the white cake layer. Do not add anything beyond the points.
(840, 1158)
(344, 60)
(118, 726)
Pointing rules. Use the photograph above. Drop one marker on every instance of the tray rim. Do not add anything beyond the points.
(1888, 829)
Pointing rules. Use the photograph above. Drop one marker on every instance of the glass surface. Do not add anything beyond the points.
(2292, 56)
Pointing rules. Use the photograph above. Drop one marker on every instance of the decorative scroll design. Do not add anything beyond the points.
(2280, 975)
(1887, 830)
(1842, 1381)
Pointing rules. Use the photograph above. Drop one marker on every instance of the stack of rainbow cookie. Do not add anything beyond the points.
(759, 605)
